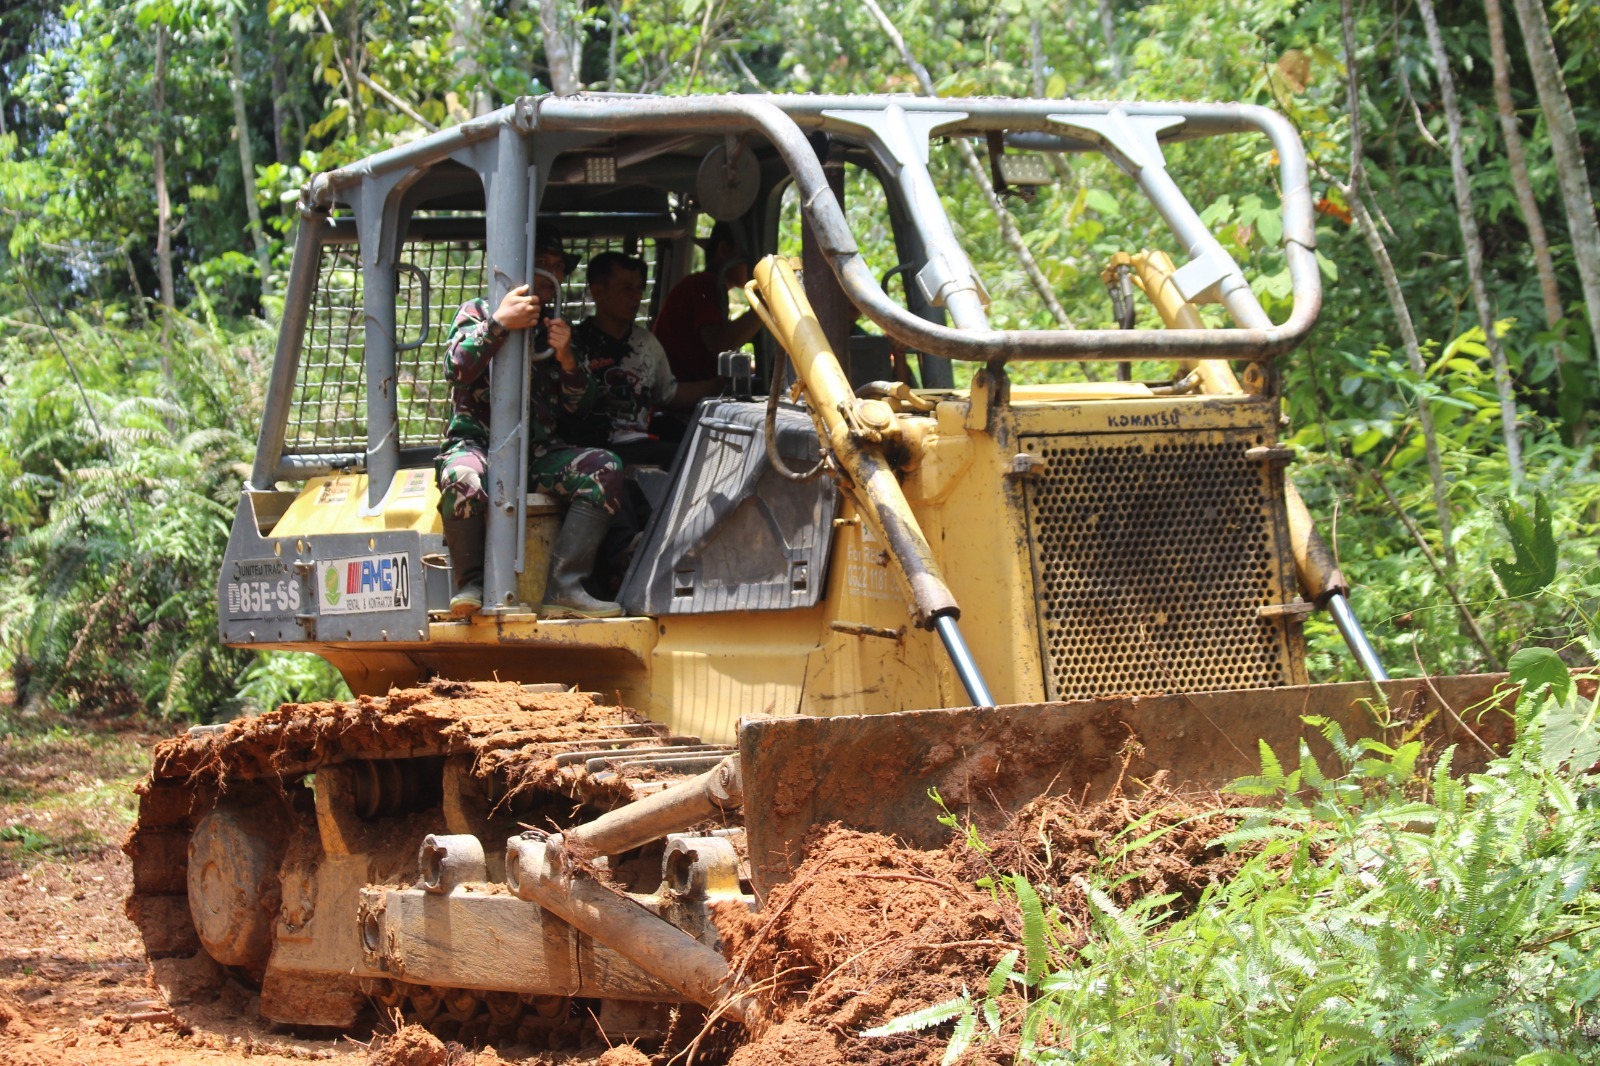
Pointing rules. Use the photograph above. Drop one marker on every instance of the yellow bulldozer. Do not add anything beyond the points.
(850, 591)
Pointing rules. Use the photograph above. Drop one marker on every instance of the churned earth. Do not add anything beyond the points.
(868, 930)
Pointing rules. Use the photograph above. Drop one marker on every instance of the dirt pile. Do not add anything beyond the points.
(413, 1045)
(870, 930)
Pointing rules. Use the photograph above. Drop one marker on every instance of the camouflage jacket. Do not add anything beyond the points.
(474, 339)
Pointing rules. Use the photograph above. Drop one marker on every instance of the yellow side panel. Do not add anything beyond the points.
(708, 671)
(871, 660)
(334, 504)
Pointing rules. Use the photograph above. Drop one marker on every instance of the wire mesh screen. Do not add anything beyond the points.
(329, 412)
(1152, 560)
(455, 275)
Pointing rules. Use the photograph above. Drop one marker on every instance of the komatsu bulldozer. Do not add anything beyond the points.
(850, 591)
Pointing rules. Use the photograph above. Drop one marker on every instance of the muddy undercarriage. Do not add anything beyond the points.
(352, 857)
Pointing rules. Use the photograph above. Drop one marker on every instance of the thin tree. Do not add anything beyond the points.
(280, 98)
(1008, 225)
(1473, 244)
(561, 51)
(1108, 30)
(247, 157)
(1349, 189)
(466, 34)
(158, 152)
(1563, 127)
(1511, 130)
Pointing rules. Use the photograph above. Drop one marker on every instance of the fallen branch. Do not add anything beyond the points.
(154, 1017)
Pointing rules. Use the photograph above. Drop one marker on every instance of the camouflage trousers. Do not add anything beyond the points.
(592, 475)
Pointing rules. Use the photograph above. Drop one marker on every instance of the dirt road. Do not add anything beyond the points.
(74, 984)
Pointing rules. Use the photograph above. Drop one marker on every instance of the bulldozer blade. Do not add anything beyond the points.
(874, 772)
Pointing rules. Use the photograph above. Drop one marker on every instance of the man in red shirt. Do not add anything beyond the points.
(693, 325)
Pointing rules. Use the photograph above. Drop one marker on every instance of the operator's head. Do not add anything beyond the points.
(550, 257)
(725, 256)
(616, 282)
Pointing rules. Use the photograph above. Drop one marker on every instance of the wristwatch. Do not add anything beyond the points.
(494, 330)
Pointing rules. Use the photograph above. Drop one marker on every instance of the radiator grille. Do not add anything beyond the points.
(1151, 559)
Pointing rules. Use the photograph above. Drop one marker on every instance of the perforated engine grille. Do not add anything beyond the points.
(1151, 560)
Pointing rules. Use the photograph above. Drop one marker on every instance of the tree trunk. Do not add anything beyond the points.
(700, 42)
(466, 30)
(1108, 30)
(1563, 126)
(1473, 244)
(1391, 282)
(159, 158)
(614, 24)
(1008, 225)
(353, 62)
(561, 52)
(280, 94)
(1512, 132)
(1057, 161)
(247, 156)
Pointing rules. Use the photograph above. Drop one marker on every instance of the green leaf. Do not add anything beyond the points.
(1217, 212)
(1568, 736)
(1103, 202)
(1033, 931)
(1004, 970)
(1533, 668)
(1270, 227)
(1534, 544)
(961, 1039)
(926, 1018)
(1270, 766)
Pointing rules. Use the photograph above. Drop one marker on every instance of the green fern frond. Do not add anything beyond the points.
(961, 1039)
(1036, 949)
(926, 1018)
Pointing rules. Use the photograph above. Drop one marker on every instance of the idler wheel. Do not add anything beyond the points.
(233, 887)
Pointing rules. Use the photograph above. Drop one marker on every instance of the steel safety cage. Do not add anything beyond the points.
(515, 151)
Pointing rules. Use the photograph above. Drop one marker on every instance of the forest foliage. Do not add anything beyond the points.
(1392, 911)
(150, 154)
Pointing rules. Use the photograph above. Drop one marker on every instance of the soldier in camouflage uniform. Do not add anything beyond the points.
(590, 479)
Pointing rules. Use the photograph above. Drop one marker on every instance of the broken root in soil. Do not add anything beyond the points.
(870, 930)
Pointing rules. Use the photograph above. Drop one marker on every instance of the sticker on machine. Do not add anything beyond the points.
(365, 584)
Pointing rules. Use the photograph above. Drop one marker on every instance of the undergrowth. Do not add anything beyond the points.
(1386, 918)
(1384, 914)
(121, 457)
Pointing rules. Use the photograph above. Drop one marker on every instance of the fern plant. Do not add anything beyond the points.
(117, 510)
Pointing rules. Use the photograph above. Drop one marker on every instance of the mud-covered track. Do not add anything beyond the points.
(366, 779)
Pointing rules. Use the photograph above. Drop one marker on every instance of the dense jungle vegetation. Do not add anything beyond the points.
(150, 153)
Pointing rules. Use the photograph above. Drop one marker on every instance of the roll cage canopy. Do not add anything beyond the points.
(622, 160)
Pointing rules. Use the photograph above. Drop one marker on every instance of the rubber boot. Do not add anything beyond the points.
(464, 538)
(571, 560)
